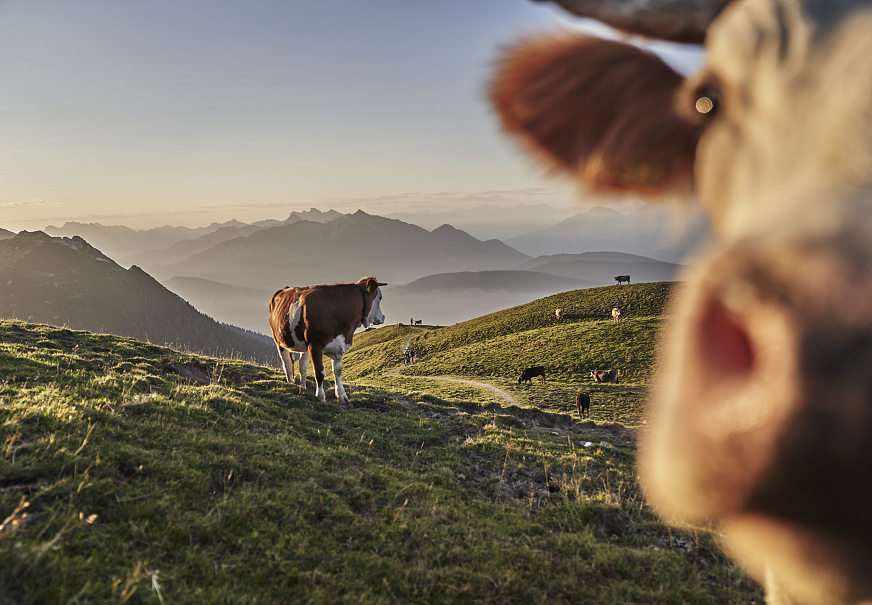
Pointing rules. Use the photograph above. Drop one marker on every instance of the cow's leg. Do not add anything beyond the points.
(315, 352)
(304, 368)
(335, 350)
(337, 376)
(287, 362)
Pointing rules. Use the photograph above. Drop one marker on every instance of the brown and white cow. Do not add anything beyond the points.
(559, 314)
(762, 415)
(616, 315)
(604, 375)
(321, 320)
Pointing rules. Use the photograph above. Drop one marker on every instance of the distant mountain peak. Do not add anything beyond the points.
(603, 210)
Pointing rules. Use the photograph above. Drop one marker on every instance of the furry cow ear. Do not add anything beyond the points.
(601, 110)
(371, 285)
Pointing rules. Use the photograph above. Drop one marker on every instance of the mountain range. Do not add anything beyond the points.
(661, 232)
(343, 249)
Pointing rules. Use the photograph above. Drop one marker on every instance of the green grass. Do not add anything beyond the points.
(143, 486)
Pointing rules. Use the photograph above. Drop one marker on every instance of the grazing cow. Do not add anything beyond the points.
(616, 315)
(622, 278)
(604, 375)
(418, 322)
(582, 404)
(559, 314)
(762, 416)
(530, 373)
(321, 320)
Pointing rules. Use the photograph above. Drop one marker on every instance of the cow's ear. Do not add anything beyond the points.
(601, 110)
(371, 285)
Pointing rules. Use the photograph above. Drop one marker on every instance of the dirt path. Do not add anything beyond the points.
(501, 393)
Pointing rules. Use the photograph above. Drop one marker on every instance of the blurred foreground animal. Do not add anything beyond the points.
(765, 391)
(321, 320)
(530, 373)
(582, 403)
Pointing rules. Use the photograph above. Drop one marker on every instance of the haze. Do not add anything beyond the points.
(186, 113)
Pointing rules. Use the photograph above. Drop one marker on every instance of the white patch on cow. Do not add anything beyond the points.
(336, 348)
(375, 317)
(295, 316)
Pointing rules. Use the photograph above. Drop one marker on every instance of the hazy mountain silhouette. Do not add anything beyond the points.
(118, 241)
(343, 249)
(4, 234)
(448, 298)
(490, 221)
(646, 231)
(244, 307)
(313, 214)
(67, 282)
(600, 268)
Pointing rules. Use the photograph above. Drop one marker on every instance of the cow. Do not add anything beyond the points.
(604, 375)
(622, 278)
(582, 404)
(418, 322)
(764, 388)
(321, 320)
(559, 314)
(530, 373)
(616, 315)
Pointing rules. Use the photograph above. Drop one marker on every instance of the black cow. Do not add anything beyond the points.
(582, 403)
(622, 278)
(530, 373)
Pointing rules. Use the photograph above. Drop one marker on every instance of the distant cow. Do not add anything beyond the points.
(321, 320)
(530, 373)
(622, 278)
(559, 314)
(582, 403)
(605, 375)
(616, 315)
(418, 322)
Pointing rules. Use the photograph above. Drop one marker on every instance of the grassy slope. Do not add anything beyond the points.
(244, 490)
(496, 347)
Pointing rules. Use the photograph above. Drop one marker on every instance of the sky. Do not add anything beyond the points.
(188, 112)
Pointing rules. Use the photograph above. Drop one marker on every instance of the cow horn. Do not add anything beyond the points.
(673, 20)
(381, 284)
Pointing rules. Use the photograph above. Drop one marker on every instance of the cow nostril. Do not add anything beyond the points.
(724, 345)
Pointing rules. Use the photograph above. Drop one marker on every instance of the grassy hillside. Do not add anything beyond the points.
(67, 282)
(501, 344)
(130, 473)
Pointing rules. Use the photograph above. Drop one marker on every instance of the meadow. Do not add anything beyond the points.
(132, 473)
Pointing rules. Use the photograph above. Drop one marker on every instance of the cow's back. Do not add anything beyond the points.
(331, 311)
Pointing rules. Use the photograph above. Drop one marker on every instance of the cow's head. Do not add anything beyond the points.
(371, 287)
(762, 420)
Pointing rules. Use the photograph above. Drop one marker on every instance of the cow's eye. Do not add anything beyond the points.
(707, 100)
